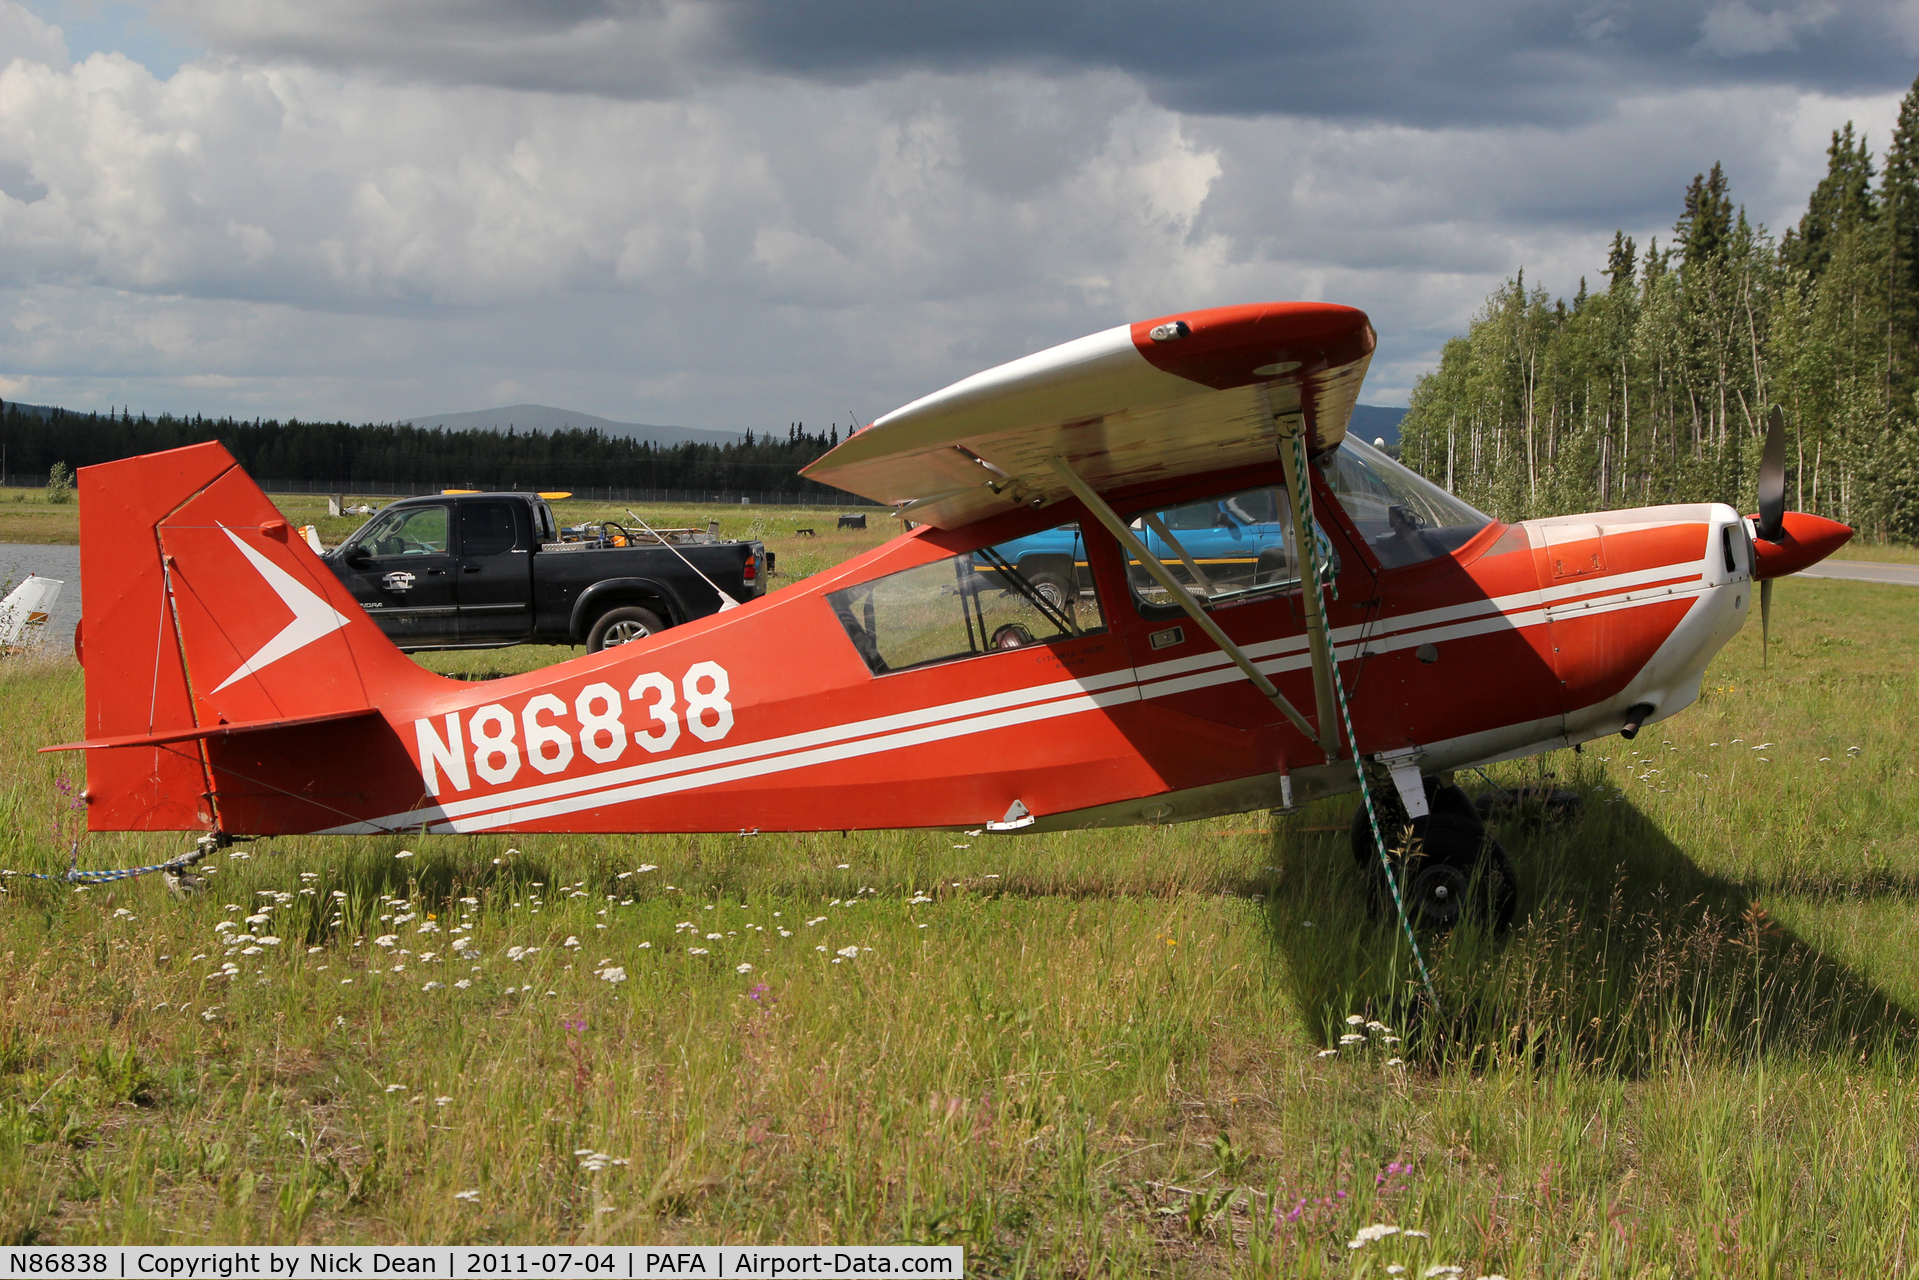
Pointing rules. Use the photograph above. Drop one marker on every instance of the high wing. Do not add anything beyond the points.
(1155, 400)
(27, 605)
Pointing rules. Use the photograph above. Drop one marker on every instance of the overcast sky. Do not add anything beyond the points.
(736, 214)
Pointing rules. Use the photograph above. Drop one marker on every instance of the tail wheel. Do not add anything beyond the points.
(622, 625)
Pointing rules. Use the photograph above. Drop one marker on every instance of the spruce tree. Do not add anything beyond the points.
(1840, 203)
(1703, 228)
(1899, 207)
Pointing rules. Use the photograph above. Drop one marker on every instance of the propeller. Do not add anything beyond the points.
(1772, 479)
(1784, 541)
(1772, 517)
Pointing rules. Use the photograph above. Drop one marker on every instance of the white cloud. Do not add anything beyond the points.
(262, 234)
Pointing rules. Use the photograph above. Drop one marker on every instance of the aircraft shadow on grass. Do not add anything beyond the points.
(1624, 951)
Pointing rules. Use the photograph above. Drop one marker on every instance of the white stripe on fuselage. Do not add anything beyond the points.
(1515, 612)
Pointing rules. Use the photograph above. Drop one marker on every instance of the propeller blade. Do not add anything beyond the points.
(1772, 479)
(1765, 622)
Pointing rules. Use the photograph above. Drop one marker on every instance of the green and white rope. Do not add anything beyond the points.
(73, 875)
(1322, 565)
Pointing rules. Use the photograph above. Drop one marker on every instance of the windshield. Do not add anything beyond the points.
(1404, 517)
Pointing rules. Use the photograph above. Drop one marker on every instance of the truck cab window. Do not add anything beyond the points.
(950, 609)
(486, 528)
(1404, 517)
(410, 531)
(1221, 549)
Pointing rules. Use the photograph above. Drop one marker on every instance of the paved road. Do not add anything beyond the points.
(1904, 575)
(18, 559)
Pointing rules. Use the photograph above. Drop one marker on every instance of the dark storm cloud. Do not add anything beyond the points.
(1415, 63)
(1407, 62)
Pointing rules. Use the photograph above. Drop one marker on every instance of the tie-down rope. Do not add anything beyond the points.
(1322, 552)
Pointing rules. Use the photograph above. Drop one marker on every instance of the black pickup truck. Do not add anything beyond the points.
(482, 570)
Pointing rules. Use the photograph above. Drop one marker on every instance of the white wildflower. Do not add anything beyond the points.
(433, 986)
(612, 973)
(572, 940)
(404, 853)
(1366, 1235)
(697, 951)
(268, 942)
(848, 952)
(463, 984)
(461, 944)
(1355, 1020)
(743, 968)
(471, 1197)
(386, 939)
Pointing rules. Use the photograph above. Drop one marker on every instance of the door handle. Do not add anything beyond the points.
(471, 568)
(436, 573)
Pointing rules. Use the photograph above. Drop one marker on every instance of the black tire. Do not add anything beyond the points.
(622, 625)
(1447, 865)
(1055, 588)
(1455, 870)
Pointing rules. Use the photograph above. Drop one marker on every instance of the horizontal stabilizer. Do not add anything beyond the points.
(201, 732)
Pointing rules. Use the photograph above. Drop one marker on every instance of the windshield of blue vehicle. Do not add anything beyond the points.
(1220, 548)
(1032, 591)
(1404, 517)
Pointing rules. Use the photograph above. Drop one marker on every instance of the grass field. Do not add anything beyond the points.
(1115, 1053)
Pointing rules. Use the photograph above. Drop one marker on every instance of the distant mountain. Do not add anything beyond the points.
(1376, 421)
(540, 417)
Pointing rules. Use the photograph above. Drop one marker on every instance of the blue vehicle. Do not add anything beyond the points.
(1221, 546)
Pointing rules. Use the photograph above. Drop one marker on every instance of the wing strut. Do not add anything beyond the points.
(1164, 576)
(1299, 490)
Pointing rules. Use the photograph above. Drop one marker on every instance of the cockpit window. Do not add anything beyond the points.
(1224, 548)
(962, 607)
(1404, 517)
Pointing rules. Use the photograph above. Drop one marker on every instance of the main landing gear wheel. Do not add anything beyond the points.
(1446, 863)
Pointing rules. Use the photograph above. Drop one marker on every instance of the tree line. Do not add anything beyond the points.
(370, 455)
(1656, 387)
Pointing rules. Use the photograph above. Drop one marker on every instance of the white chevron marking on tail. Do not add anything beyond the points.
(313, 617)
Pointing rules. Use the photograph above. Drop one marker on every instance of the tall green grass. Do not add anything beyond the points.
(1105, 1053)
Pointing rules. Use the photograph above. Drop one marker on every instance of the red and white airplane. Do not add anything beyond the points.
(233, 684)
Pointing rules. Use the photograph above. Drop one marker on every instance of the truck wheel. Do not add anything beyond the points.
(622, 626)
(1055, 588)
